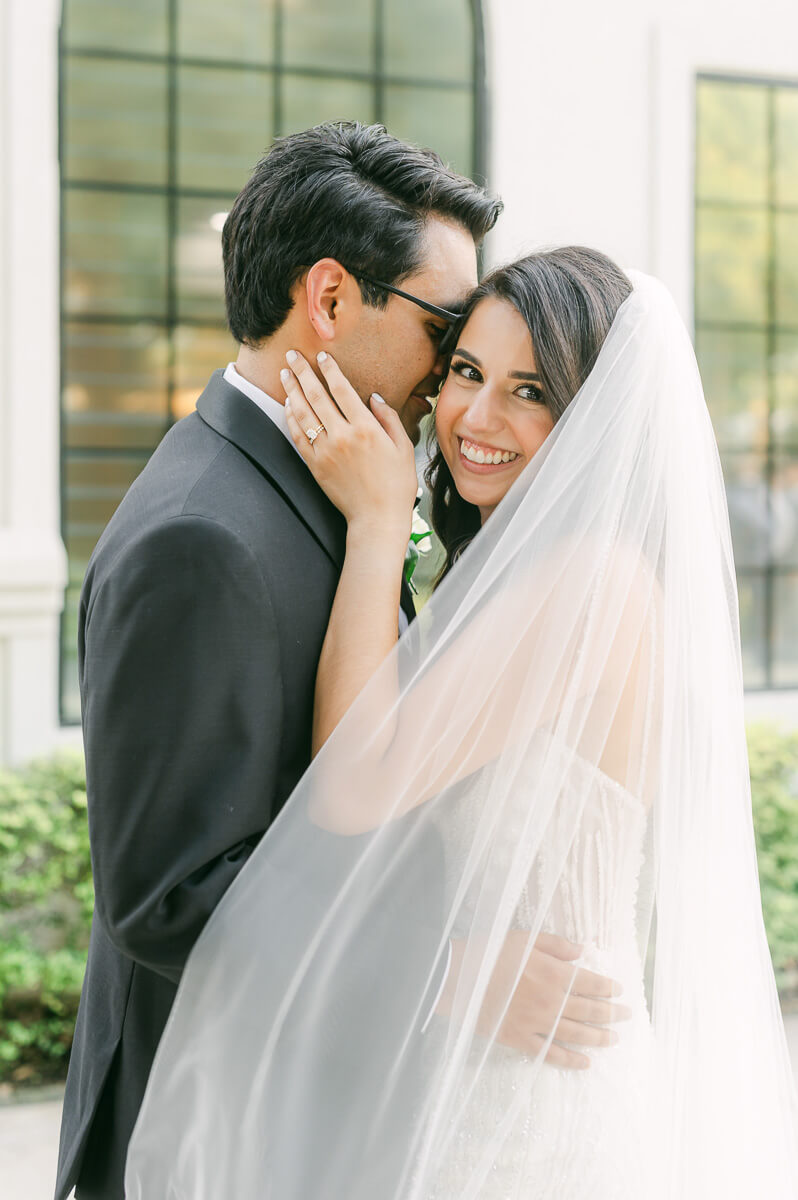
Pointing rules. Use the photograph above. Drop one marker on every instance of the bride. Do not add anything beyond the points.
(555, 746)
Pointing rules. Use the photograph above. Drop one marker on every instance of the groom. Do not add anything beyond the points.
(207, 598)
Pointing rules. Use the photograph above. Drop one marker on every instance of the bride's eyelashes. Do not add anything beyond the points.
(465, 370)
(471, 374)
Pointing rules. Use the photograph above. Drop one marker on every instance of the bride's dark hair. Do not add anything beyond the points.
(568, 298)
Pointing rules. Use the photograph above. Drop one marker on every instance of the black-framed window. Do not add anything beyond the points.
(746, 319)
(165, 106)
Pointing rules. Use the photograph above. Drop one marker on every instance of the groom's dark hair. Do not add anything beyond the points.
(342, 190)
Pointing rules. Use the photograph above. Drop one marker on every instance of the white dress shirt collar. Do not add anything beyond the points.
(266, 403)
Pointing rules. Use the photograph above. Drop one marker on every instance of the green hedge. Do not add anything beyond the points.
(46, 896)
(46, 900)
(773, 758)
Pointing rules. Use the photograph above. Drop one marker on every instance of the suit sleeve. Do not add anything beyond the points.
(182, 716)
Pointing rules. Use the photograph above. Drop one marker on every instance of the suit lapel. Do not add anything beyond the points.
(236, 418)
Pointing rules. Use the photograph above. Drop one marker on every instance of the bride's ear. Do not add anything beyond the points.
(332, 297)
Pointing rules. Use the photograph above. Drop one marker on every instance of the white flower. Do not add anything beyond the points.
(422, 529)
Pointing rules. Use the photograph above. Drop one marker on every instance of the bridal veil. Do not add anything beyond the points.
(589, 633)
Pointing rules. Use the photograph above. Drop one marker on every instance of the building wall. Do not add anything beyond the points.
(591, 141)
(593, 134)
(592, 130)
(32, 558)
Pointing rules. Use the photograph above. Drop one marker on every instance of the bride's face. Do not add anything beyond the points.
(491, 417)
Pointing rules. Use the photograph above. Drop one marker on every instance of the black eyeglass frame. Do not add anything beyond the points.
(443, 313)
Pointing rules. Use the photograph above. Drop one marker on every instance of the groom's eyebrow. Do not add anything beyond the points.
(472, 358)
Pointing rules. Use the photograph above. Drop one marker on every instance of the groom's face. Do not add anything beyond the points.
(395, 350)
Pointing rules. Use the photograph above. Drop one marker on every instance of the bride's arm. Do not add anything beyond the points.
(363, 624)
(364, 462)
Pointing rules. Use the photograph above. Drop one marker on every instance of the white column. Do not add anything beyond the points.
(32, 556)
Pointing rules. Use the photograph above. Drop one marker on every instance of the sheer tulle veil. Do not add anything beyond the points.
(589, 632)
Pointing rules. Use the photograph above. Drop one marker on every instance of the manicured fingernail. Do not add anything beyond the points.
(376, 396)
(285, 376)
(321, 356)
(291, 356)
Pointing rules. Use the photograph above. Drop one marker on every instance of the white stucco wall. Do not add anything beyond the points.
(593, 118)
(32, 558)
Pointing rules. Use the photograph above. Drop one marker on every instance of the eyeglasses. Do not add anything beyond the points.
(443, 313)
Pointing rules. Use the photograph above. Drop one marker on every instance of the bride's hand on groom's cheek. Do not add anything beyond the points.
(361, 456)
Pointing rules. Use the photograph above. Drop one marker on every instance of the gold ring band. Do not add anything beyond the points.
(312, 434)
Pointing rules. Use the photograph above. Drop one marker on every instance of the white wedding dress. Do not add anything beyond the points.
(575, 1134)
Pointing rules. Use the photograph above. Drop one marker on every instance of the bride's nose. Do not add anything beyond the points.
(484, 413)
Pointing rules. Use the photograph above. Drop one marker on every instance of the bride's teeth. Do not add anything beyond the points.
(489, 457)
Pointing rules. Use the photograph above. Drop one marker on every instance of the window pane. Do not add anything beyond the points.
(240, 32)
(784, 510)
(784, 421)
(786, 229)
(429, 39)
(751, 590)
(786, 100)
(434, 117)
(785, 630)
(116, 25)
(115, 385)
(734, 371)
(308, 102)
(94, 487)
(338, 36)
(732, 151)
(198, 259)
(746, 490)
(115, 121)
(114, 253)
(731, 266)
(225, 125)
(199, 352)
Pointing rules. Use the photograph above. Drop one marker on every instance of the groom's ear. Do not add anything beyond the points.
(333, 298)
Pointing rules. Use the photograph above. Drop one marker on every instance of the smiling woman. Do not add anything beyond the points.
(490, 424)
(527, 341)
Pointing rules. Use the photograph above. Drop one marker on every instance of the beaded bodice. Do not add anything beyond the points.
(572, 1133)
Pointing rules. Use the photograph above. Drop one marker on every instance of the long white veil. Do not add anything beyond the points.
(556, 745)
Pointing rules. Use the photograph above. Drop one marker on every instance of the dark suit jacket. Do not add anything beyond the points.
(202, 618)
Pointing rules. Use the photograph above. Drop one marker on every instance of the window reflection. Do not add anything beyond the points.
(329, 36)
(746, 308)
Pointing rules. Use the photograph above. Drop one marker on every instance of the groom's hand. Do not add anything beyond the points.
(547, 985)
